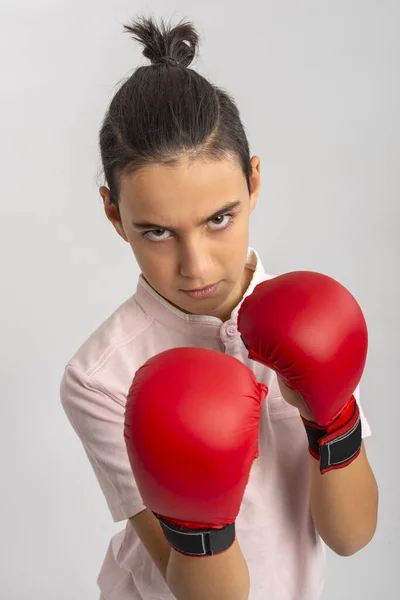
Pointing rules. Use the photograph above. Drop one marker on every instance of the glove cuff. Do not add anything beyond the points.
(338, 444)
(198, 542)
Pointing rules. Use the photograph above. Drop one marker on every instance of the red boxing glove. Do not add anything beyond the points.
(310, 329)
(191, 431)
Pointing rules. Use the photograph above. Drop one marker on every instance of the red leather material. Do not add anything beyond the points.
(191, 430)
(311, 330)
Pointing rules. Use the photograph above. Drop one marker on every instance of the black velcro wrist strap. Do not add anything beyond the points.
(314, 434)
(198, 542)
(338, 452)
(340, 443)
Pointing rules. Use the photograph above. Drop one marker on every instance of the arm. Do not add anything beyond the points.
(344, 504)
(223, 576)
(193, 483)
(149, 532)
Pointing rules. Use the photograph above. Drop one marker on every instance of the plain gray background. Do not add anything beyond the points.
(317, 84)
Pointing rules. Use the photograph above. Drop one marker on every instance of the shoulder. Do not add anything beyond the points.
(267, 276)
(107, 361)
(123, 327)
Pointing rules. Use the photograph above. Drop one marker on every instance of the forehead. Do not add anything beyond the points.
(184, 193)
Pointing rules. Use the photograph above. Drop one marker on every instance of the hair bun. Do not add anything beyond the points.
(165, 44)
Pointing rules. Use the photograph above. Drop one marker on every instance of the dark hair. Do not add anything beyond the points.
(165, 110)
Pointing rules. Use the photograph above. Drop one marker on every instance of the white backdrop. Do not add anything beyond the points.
(317, 83)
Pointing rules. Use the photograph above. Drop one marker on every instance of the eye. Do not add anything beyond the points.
(221, 221)
(158, 235)
(218, 223)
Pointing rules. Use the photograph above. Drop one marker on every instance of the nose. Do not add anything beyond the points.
(195, 262)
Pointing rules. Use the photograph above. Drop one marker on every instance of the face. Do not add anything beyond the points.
(188, 227)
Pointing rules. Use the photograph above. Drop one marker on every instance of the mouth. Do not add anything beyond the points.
(204, 292)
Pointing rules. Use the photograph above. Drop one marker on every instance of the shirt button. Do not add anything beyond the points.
(231, 330)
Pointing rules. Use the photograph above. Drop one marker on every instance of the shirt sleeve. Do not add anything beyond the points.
(98, 419)
(365, 428)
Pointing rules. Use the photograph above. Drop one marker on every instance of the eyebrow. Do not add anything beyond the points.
(223, 209)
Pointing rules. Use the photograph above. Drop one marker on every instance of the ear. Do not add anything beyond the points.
(111, 212)
(255, 181)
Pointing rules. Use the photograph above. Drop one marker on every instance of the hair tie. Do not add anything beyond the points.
(167, 60)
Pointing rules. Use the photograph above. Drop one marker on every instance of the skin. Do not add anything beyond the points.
(183, 252)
